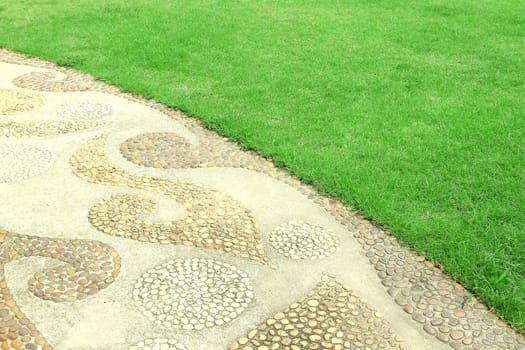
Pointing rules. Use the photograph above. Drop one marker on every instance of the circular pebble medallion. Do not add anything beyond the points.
(157, 344)
(18, 101)
(193, 293)
(300, 240)
(21, 162)
(85, 110)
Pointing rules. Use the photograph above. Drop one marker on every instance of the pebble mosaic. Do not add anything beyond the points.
(88, 267)
(168, 150)
(193, 293)
(10, 129)
(84, 110)
(214, 220)
(157, 344)
(20, 162)
(300, 240)
(470, 326)
(18, 101)
(331, 316)
(53, 82)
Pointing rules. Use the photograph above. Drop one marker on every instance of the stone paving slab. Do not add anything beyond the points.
(126, 225)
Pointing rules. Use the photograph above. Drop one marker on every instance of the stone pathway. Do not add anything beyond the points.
(126, 225)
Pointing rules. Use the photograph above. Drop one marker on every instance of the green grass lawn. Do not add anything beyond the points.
(412, 111)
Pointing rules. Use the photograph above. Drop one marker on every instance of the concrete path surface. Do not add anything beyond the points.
(126, 225)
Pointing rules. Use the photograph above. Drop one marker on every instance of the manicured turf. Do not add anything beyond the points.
(412, 111)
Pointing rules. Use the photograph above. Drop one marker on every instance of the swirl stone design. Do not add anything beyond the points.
(193, 293)
(18, 101)
(331, 316)
(88, 267)
(20, 162)
(300, 240)
(168, 150)
(214, 220)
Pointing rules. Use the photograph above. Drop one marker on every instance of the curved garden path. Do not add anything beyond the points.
(126, 225)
